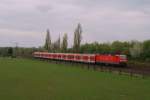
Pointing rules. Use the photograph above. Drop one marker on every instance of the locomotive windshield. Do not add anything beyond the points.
(123, 56)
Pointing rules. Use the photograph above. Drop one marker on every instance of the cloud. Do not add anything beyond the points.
(101, 20)
(23, 38)
(44, 8)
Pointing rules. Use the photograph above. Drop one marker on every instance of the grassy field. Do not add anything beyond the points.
(22, 79)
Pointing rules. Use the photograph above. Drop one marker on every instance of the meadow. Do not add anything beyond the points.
(24, 79)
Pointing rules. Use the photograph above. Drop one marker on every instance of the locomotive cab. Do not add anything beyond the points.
(123, 60)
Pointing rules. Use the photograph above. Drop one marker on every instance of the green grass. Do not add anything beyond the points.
(22, 79)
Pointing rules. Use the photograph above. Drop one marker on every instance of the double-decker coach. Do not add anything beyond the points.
(84, 58)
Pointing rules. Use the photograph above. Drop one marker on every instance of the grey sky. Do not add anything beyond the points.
(26, 21)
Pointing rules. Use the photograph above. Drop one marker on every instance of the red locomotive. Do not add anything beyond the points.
(84, 58)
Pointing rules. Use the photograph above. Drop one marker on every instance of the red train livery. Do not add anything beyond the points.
(84, 58)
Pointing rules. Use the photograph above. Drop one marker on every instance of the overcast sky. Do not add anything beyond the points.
(26, 21)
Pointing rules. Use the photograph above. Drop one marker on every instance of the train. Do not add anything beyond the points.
(105, 59)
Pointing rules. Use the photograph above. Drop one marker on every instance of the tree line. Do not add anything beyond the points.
(58, 46)
(133, 49)
(17, 52)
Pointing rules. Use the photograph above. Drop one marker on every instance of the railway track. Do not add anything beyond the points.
(129, 70)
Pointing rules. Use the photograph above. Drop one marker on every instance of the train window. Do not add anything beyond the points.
(59, 56)
(71, 57)
(92, 58)
(78, 57)
(85, 57)
(123, 56)
(64, 56)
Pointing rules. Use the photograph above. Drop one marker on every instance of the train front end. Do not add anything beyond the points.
(123, 60)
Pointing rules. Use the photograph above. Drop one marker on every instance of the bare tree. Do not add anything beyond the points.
(56, 45)
(47, 45)
(59, 44)
(77, 38)
(64, 44)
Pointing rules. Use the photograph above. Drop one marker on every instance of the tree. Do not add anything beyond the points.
(59, 44)
(146, 50)
(136, 50)
(64, 44)
(10, 51)
(47, 45)
(56, 45)
(77, 38)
